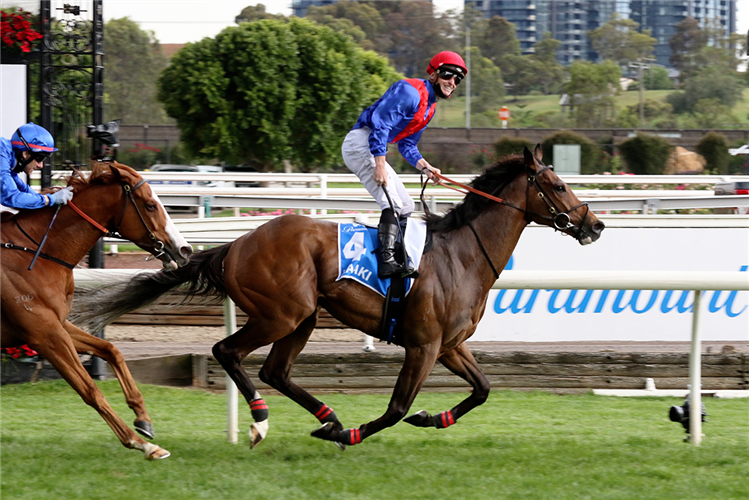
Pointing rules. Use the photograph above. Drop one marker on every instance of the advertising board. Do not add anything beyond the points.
(626, 315)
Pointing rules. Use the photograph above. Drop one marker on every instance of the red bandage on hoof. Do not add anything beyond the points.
(259, 410)
(326, 414)
(350, 437)
(444, 419)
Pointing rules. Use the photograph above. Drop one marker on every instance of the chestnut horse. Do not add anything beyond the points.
(36, 302)
(285, 271)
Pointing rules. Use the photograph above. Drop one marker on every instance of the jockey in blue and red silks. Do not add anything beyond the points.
(399, 116)
(25, 152)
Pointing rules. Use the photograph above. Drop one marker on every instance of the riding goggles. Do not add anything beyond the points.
(447, 74)
(38, 156)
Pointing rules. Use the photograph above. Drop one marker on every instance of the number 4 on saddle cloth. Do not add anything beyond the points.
(357, 260)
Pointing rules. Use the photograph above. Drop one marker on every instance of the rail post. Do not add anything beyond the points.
(232, 396)
(695, 375)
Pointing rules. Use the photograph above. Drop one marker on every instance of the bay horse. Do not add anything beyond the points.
(35, 303)
(285, 271)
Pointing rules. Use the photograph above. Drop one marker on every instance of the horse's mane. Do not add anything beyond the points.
(101, 173)
(492, 181)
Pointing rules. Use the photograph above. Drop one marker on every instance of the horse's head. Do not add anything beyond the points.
(140, 216)
(551, 202)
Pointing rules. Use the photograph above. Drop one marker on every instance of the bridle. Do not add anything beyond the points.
(159, 247)
(560, 220)
(129, 195)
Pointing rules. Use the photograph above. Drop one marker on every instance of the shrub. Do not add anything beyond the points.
(646, 154)
(714, 148)
(590, 152)
(507, 146)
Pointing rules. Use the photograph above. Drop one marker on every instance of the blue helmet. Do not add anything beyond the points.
(33, 138)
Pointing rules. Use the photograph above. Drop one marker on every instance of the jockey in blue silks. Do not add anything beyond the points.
(25, 152)
(399, 116)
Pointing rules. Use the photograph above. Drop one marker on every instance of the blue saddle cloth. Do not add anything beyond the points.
(357, 258)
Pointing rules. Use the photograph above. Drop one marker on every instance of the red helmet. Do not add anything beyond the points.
(446, 57)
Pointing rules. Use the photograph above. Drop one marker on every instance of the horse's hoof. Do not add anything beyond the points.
(144, 428)
(258, 431)
(327, 431)
(420, 419)
(157, 454)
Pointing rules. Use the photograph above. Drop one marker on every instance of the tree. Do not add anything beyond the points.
(255, 13)
(415, 34)
(487, 87)
(656, 78)
(548, 73)
(618, 40)
(591, 89)
(270, 90)
(712, 82)
(686, 47)
(360, 14)
(408, 33)
(495, 38)
(133, 63)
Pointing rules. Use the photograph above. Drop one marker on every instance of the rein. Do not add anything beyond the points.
(560, 220)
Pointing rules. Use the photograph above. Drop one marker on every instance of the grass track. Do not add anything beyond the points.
(516, 446)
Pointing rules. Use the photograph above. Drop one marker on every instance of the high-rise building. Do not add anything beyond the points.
(569, 21)
(662, 16)
(566, 21)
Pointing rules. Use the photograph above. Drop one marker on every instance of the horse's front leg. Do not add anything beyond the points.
(86, 343)
(461, 362)
(416, 368)
(56, 346)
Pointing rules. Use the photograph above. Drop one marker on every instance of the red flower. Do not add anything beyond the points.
(17, 31)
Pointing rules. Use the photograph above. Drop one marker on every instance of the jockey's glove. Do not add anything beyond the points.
(62, 197)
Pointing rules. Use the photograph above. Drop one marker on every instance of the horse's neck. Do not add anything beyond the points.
(498, 230)
(72, 236)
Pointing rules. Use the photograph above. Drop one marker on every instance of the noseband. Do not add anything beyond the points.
(158, 244)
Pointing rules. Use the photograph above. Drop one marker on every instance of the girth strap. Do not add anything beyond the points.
(12, 246)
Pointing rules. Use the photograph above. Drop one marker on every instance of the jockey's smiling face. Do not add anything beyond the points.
(448, 79)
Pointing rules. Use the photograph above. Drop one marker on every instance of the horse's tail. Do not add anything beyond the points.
(201, 277)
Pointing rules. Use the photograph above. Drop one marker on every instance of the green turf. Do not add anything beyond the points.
(516, 446)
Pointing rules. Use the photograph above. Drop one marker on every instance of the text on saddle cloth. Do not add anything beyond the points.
(357, 259)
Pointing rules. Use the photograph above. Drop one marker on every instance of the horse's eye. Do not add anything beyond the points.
(151, 207)
(560, 189)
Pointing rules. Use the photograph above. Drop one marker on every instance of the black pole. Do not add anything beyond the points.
(45, 69)
(96, 255)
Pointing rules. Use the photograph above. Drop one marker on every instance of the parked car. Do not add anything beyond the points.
(730, 188)
(168, 167)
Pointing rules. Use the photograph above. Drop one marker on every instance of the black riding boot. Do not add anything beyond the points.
(387, 235)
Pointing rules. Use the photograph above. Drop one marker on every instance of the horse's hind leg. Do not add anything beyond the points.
(232, 350)
(57, 347)
(88, 344)
(277, 369)
(416, 367)
(461, 362)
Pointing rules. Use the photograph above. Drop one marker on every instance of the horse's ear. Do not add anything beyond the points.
(538, 153)
(530, 161)
(116, 176)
